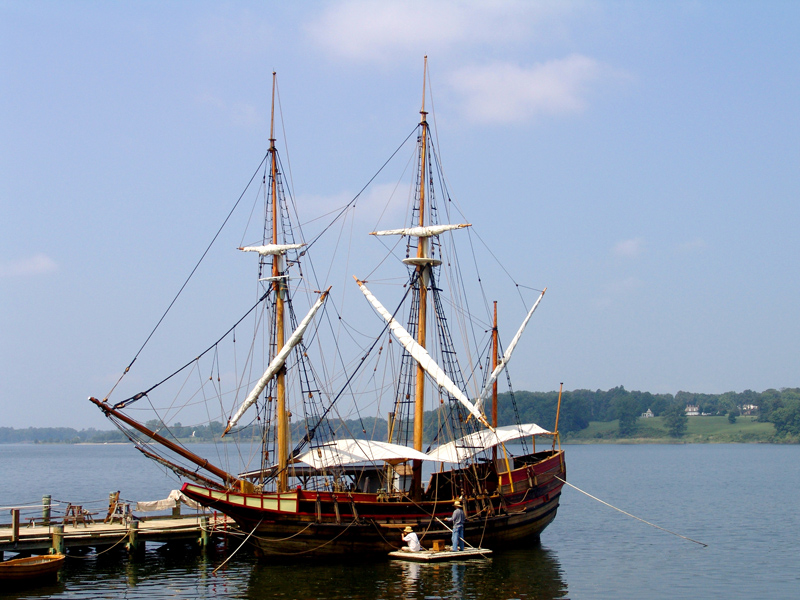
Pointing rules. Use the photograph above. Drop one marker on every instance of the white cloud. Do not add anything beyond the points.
(628, 248)
(504, 92)
(381, 31)
(38, 264)
(500, 87)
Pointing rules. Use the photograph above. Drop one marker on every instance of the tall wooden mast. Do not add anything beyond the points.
(494, 384)
(279, 287)
(423, 270)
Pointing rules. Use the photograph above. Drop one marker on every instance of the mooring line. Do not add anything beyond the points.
(230, 556)
(629, 514)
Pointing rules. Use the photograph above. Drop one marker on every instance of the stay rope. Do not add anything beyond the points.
(629, 514)
(185, 283)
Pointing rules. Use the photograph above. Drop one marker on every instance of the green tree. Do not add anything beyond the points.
(732, 416)
(676, 420)
(628, 415)
(787, 419)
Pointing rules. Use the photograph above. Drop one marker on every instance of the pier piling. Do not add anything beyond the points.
(46, 510)
(14, 525)
(134, 545)
(204, 533)
(57, 544)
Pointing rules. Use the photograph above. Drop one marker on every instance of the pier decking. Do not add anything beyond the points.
(132, 535)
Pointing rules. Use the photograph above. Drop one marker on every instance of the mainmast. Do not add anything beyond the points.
(279, 286)
(423, 277)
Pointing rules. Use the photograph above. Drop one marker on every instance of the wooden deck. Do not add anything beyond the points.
(133, 535)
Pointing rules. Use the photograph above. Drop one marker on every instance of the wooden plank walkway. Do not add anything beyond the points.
(189, 528)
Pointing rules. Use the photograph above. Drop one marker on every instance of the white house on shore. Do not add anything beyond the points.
(692, 411)
(648, 414)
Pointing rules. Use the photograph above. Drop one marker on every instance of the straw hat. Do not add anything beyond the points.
(457, 503)
(408, 529)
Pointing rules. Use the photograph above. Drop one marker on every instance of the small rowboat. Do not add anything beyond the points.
(20, 569)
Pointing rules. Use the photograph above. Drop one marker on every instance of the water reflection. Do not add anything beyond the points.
(183, 572)
(530, 573)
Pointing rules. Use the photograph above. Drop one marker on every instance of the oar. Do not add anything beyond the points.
(461, 538)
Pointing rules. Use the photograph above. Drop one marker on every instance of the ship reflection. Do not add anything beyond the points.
(533, 572)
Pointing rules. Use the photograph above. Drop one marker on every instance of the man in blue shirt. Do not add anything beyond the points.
(458, 527)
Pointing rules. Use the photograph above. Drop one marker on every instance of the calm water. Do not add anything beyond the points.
(741, 500)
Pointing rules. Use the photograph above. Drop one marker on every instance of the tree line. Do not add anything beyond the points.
(578, 408)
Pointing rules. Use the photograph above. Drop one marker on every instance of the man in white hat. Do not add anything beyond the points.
(458, 526)
(411, 539)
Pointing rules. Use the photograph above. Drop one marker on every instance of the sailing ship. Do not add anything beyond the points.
(311, 486)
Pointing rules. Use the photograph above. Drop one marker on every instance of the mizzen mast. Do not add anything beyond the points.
(494, 384)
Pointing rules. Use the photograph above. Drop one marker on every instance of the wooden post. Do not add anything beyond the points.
(46, 510)
(134, 545)
(176, 510)
(558, 413)
(57, 545)
(205, 533)
(15, 525)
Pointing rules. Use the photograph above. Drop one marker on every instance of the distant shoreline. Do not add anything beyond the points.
(699, 430)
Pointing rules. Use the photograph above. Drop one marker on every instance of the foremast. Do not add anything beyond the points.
(279, 287)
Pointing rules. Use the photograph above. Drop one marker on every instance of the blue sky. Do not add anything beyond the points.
(640, 159)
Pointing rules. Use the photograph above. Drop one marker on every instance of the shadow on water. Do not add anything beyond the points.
(32, 589)
(183, 572)
(532, 573)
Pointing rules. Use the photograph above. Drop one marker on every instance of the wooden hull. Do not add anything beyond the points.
(33, 567)
(324, 523)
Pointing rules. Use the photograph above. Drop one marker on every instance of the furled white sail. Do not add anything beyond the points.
(351, 451)
(277, 362)
(271, 249)
(175, 497)
(421, 355)
(468, 446)
(428, 231)
(507, 356)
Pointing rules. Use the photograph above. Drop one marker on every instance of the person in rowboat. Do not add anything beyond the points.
(458, 527)
(411, 539)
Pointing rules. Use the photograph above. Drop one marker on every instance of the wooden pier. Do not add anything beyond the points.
(131, 534)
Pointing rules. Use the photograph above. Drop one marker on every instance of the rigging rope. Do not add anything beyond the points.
(629, 514)
(224, 562)
(361, 191)
(185, 283)
(140, 395)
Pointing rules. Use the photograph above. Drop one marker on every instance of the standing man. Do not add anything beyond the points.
(458, 527)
